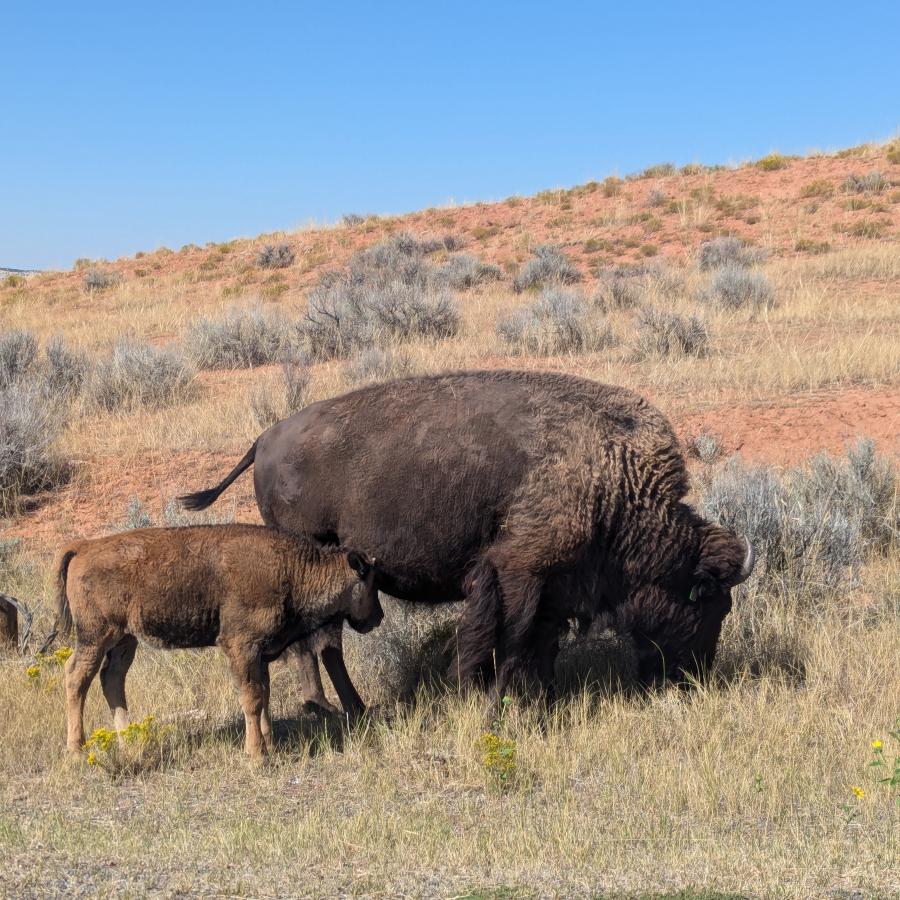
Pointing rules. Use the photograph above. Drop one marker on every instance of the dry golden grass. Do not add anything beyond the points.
(824, 330)
(744, 786)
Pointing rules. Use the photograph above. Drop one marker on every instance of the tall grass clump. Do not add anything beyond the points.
(413, 650)
(663, 333)
(622, 287)
(65, 371)
(269, 403)
(735, 287)
(30, 428)
(390, 291)
(463, 271)
(812, 527)
(723, 251)
(99, 280)
(18, 356)
(275, 256)
(548, 266)
(137, 374)
(559, 321)
(239, 339)
(173, 516)
(873, 183)
(374, 364)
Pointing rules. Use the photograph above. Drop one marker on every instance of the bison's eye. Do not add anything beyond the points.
(694, 595)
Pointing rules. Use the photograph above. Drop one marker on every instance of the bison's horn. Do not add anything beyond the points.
(747, 565)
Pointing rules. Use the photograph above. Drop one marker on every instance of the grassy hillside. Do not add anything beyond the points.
(758, 306)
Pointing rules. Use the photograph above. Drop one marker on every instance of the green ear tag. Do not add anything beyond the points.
(694, 595)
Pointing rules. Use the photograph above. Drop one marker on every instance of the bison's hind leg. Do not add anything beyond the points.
(497, 625)
(115, 667)
(478, 628)
(80, 669)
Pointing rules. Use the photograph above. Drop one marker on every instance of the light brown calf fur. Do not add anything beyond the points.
(252, 590)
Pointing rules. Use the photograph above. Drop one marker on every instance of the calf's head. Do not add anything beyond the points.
(676, 622)
(364, 610)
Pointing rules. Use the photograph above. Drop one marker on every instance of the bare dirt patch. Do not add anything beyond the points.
(795, 427)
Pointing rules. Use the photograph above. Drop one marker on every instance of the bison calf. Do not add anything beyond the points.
(251, 590)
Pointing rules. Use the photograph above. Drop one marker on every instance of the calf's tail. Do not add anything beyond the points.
(63, 609)
(202, 499)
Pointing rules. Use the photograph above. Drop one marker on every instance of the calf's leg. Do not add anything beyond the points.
(266, 718)
(112, 678)
(247, 669)
(81, 667)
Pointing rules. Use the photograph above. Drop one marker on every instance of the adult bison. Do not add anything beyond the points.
(534, 496)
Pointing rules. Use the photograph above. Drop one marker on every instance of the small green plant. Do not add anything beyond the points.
(498, 753)
(887, 771)
(483, 232)
(772, 162)
(595, 245)
(868, 229)
(660, 170)
(807, 245)
(137, 747)
(850, 809)
(611, 186)
(821, 187)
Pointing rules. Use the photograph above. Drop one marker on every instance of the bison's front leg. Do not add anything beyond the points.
(333, 657)
(310, 680)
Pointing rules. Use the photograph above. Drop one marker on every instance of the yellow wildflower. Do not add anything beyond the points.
(877, 745)
(61, 655)
(33, 671)
(858, 791)
(92, 759)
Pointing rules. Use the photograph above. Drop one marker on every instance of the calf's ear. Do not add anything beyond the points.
(360, 563)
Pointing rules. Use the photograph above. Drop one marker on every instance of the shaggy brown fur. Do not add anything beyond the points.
(534, 495)
(252, 590)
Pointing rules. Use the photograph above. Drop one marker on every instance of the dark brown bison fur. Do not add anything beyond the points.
(252, 590)
(535, 496)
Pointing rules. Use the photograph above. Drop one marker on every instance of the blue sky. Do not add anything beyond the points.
(124, 127)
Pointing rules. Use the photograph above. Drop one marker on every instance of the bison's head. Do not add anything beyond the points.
(676, 621)
(365, 612)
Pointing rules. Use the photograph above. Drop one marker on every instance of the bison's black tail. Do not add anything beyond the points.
(202, 499)
(478, 631)
(63, 610)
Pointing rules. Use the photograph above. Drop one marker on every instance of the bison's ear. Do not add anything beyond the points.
(360, 563)
(726, 559)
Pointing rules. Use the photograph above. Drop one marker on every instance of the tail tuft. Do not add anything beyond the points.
(203, 499)
(63, 609)
(200, 499)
